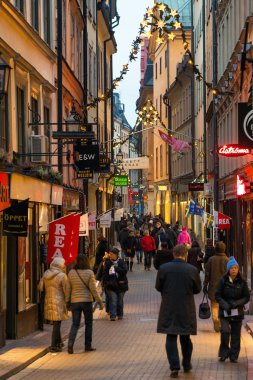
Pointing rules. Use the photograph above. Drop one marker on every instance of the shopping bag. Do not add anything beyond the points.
(204, 308)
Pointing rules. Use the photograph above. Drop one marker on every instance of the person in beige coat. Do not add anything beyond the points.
(81, 293)
(215, 268)
(55, 283)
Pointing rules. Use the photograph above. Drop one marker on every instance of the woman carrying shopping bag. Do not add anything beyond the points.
(81, 295)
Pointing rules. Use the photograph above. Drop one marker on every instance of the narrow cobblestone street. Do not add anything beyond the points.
(131, 349)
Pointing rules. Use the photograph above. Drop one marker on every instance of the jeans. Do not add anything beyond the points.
(77, 308)
(116, 304)
(147, 259)
(139, 255)
(230, 331)
(56, 334)
(172, 351)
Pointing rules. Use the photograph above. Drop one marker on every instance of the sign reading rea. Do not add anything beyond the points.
(86, 157)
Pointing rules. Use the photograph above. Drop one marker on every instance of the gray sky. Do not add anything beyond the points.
(131, 13)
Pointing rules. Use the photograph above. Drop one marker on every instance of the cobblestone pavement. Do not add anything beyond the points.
(131, 349)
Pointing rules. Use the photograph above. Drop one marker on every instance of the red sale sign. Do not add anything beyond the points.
(63, 238)
(222, 221)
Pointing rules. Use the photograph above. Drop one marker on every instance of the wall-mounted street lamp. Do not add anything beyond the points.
(4, 77)
(119, 156)
(73, 120)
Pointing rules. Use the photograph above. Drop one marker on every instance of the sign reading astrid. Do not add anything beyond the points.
(233, 150)
(121, 180)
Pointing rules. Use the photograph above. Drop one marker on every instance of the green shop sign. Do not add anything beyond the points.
(121, 180)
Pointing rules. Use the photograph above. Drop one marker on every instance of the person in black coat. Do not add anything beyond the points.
(100, 251)
(178, 281)
(195, 256)
(129, 245)
(163, 256)
(232, 294)
(112, 273)
(209, 250)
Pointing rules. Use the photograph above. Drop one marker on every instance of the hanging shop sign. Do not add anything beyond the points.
(121, 180)
(15, 219)
(4, 191)
(223, 222)
(245, 125)
(84, 225)
(92, 221)
(196, 186)
(63, 238)
(233, 150)
(84, 174)
(135, 163)
(105, 220)
(104, 164)
(162, 188)
(86, 157)
(118, 214)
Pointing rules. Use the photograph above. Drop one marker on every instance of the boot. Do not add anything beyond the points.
(131, 266)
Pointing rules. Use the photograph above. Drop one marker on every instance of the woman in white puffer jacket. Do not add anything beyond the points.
(55, 283)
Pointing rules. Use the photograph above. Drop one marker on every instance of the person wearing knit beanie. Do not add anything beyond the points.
(232, 262)
(232, 294)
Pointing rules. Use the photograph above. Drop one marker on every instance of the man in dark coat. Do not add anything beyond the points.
(215, 269)
(178, 281)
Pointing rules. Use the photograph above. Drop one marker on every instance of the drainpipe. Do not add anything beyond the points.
(204, 88)
(214, 118)
(59, 81)
(105, 89)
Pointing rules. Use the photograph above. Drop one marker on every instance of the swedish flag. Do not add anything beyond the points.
(186, 211)
(209, 220)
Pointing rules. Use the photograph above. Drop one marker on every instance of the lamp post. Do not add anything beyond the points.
(4, 78)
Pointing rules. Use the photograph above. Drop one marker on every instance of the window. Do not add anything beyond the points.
(166, 58)
(35, 14)
(160, 65)
(47, 22)
(20, 5)
(21, 120)
(156, 71)
(34, 104)
(4, 122)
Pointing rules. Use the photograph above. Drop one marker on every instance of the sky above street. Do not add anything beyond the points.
(131, 13)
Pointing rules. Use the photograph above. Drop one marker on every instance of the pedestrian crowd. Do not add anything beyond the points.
(177, 256)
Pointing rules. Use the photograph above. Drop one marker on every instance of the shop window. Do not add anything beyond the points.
(3, 271)
(25, 261)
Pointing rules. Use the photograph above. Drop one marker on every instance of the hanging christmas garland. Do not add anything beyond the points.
(165, 21)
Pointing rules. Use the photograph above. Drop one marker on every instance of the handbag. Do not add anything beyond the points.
(204, 308)
(85, 285)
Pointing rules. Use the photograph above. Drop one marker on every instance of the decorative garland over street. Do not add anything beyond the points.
(163, 20)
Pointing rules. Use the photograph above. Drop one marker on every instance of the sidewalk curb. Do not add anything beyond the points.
(22, 366)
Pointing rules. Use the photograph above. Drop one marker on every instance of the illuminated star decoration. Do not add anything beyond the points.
(162, 20)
